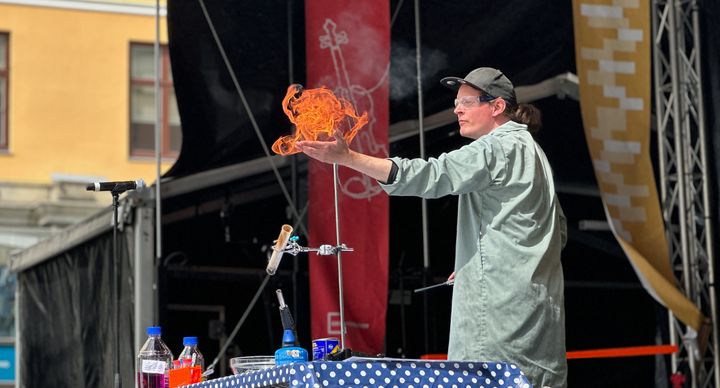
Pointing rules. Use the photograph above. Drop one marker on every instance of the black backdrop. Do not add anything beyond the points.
(66, 309)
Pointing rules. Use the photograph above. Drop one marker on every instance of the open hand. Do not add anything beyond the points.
(336, 151)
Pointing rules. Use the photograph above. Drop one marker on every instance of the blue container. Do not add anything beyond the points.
(7, 362)
(323, 347)
(290, 353)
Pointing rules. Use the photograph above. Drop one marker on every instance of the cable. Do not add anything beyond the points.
(211, 369)
(255, 126)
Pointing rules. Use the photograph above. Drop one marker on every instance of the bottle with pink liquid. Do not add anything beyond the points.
(153, 361)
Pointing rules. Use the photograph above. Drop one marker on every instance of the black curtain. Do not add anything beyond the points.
(217, 128)
(65, 319)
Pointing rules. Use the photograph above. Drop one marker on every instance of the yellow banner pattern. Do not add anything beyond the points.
(612, 43)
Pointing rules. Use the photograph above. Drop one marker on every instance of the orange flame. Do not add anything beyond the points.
(316, 114)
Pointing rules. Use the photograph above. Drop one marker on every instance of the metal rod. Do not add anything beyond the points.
(680, 163)
(158, 136)
(116, 294)
(20, 342)
(423, 289)
(707, 214)
(660, 13)
(421, 127)
(291, 65)
(395, 13)
(423, 201)
(675, 76)
(336, 181)
(294, 185)
(402, 317)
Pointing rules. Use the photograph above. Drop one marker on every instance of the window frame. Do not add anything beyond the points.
(166, 84)
(5, 73)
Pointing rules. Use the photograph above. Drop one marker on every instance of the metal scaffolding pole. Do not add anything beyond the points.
(679, 113)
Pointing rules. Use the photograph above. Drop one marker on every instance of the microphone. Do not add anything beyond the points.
(117, 187)
(277, 253)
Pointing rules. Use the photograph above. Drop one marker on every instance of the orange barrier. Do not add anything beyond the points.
(631, 351)
(434, 356)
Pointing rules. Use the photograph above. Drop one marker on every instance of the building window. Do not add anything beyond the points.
(4, 77)
(142, 103)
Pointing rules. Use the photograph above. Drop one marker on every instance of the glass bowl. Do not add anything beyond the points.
(240, 365)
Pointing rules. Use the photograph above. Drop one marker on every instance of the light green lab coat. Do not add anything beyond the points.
(508, 295)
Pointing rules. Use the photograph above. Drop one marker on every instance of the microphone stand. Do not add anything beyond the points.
(116, 291)
(116, 188)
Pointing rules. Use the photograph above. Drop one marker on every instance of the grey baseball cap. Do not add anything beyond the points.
(486, 79)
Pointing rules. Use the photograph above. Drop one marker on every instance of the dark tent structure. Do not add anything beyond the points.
(224, 198)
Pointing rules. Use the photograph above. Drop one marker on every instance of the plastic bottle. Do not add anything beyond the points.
(190, 355)
(289, 352)
(154, 361)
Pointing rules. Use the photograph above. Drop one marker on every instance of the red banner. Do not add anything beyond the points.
(348, 51)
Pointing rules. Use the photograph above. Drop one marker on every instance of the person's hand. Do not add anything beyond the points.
(451, 277)
(336, 151)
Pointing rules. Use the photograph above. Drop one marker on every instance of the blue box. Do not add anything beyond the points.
(7, 362)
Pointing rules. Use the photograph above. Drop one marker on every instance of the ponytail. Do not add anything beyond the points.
(525, 114)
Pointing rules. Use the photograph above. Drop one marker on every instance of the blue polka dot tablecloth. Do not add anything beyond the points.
(387, 373)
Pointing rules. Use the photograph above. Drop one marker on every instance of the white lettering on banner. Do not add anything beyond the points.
(333, 320)
(153, 366)
(358, 186)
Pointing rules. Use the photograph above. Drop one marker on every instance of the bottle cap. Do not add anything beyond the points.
(154, 330)
(288, 337)
(188, 341)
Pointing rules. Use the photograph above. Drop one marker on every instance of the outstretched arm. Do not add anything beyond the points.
(337, 151)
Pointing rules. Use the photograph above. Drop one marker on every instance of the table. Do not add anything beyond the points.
(388, 373)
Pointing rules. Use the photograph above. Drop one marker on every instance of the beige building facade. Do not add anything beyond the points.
(76, 106)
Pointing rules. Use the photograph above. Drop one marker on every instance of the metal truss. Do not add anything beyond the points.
(684, 178)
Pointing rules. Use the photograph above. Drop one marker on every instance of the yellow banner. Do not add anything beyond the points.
(612, 44)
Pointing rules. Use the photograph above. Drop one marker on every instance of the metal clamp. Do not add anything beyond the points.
(293, 248)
